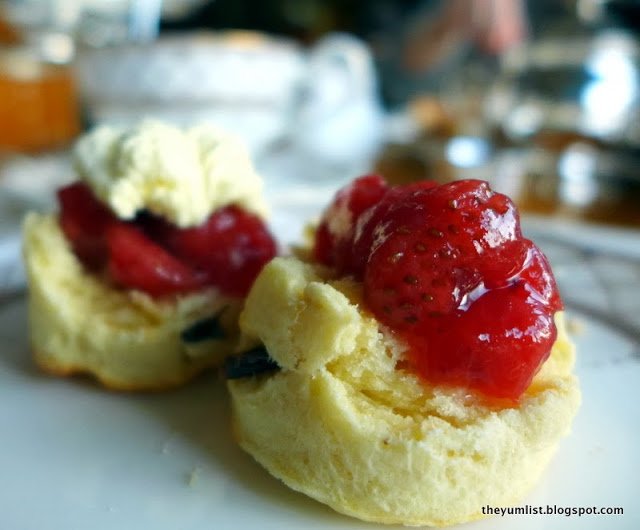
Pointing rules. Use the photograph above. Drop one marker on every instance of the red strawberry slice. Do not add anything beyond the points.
(230, 248)
(150, 254)
(83, 220)
(136, 262)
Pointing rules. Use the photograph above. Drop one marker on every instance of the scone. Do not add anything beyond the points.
(417, 368)
(139, 278)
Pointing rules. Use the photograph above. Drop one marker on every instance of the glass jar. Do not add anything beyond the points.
(39, 108)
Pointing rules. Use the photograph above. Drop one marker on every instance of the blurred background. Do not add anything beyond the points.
(539, 97)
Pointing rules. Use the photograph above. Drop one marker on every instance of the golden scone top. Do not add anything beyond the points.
(323, 323)
(180, 174)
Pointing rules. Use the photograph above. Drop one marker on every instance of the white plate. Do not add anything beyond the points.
(76, 457)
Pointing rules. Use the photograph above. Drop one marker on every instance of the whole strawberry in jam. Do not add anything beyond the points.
(447, 268)
(227, 251)
(345, 234)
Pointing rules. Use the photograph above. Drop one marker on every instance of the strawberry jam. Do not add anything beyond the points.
(149, 254)
(447, 269)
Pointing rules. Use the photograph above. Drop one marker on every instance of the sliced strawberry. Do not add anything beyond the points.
(230, 248)
(136, 262)
(150, 254)
(84, 220)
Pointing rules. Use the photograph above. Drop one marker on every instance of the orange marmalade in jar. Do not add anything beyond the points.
(39, 107)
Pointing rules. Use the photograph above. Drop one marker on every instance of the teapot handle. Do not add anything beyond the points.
(341, 72)
(349, 52)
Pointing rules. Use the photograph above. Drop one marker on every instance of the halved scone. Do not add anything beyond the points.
(416, 368)
(344, 423)
(132, 281)
(129, 341)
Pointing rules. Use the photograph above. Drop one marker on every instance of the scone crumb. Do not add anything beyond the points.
(193, 476)
(166, 449)
(575, 326)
